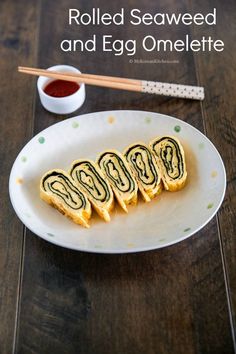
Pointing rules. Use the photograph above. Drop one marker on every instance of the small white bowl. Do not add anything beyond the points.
(60, 105)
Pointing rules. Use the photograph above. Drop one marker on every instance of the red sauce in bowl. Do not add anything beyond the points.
(61, 88)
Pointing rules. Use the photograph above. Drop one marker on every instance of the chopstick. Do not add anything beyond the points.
(153, 87)
(95, 80)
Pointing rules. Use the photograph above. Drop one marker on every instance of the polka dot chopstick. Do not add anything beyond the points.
(173, 90)
(120, 83)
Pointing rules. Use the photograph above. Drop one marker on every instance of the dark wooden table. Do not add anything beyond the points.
(180, 299)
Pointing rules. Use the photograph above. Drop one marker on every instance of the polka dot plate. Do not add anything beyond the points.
(169, 218)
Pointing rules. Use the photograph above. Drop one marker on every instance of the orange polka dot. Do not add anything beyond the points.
(111, 120)
(19, 181)
(213, 174)
(130, 245)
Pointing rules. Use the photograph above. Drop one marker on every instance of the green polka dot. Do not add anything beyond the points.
(210, 205)
(75, 124)
(28, 215)
(187, 229)
(49, 234)
(23, 158)
(41, 140)
(201, 146)
(177, 128)
(148, 120)
(162, 240)
(98, 246)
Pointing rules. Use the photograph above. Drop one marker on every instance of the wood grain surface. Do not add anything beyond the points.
(16, 41)
(180, 299)
(219, 111)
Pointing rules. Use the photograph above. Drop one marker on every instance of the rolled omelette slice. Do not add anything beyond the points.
(59, 190)
(88, 176)
(170, 156)
(120, 176)
(145, 168)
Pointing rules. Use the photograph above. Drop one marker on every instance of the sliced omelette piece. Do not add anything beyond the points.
(170, 156)
(145, 168)
(88, 176)
(59, 190)
(118, 172)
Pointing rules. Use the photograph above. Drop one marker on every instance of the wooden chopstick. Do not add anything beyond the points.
(160, 88)
(95, 80)
(89, 76)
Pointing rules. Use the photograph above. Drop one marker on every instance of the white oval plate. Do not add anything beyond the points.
(168, 219)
